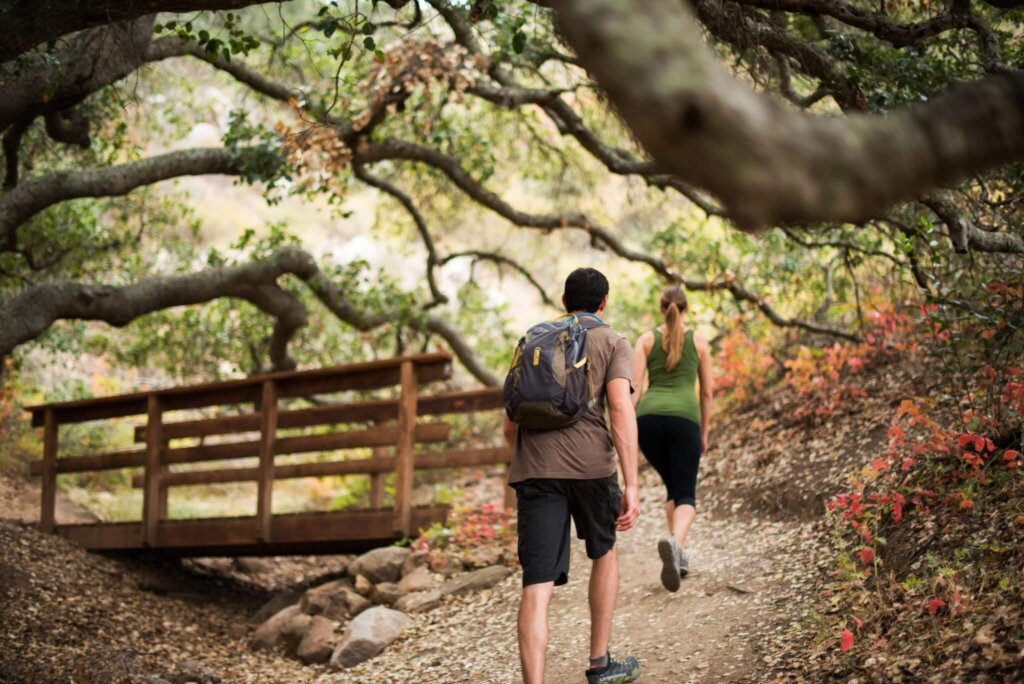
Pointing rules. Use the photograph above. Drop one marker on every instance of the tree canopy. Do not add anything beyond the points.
(858, 141)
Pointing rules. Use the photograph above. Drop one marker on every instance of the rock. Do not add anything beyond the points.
(386, 593)
(334, 600)
(356, 603)
(363, 586)
(416, 559)
(324, 598)
(252, 566)
(380, 565)
(417, 580)
(211, 565)
(191, 672)
(476, 580)
(446, 566)
(275, 604)
(294, 630)
(368, 635)
(318, 643)
(268, 634)
(160, 585)
(484, 557)
(420, 602)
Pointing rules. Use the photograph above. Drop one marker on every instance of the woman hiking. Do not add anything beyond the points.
(673, 424)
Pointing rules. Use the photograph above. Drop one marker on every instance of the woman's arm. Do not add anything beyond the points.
(707, 387)
(640, 352)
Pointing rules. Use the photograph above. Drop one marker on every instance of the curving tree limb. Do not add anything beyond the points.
(31, 312)
(599, 235)
(89, 61)
(173, 46)
(32, 196)
(502, 260)
(388, 188)
(31, 23)
(964, 233)
(768, 164)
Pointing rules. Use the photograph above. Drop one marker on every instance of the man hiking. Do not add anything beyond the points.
(563, 375)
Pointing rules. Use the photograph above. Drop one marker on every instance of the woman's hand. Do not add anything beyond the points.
(703, 443)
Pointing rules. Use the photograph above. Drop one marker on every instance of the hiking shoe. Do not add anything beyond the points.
(615, 672)
(668, 551)
(684, 563)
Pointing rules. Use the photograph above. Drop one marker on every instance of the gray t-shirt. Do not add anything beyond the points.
(583, 450)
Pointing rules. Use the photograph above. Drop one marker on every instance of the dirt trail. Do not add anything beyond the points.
(745, 575)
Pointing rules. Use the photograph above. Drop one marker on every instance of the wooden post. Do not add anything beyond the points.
(164, 489)
(152, 475)
(51, 432)
(265, 483)
(404, 450)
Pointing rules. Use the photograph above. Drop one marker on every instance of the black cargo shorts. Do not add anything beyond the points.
(545, 506)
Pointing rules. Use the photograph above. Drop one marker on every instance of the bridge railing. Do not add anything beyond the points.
(391, 425)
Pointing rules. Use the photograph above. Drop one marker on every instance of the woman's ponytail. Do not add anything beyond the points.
(673, 304)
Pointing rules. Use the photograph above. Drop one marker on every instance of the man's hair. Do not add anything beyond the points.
(584, 290)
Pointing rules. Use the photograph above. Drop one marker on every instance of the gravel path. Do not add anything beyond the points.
(745, 580)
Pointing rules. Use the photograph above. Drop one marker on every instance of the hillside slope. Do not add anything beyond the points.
(756, 607)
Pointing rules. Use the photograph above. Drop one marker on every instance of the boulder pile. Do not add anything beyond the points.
(349, 620)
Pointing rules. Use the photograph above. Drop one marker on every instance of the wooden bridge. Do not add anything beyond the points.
(378, 424)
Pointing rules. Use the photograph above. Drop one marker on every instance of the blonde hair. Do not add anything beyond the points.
(673, 305)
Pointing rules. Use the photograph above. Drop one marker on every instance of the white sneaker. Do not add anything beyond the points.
(669, 552)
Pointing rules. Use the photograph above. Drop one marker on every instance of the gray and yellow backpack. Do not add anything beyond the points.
(549, 385)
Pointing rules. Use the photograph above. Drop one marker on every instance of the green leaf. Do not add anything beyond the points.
(518, 42)
(369, 43)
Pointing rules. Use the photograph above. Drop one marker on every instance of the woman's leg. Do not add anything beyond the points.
(670, 507)
(682, 519)
(686, 445)
(654, 444)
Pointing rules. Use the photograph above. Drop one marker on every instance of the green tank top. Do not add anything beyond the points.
(675, 393)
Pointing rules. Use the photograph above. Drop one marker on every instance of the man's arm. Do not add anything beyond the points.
(624, 435)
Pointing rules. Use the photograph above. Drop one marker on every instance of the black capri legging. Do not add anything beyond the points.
(672, 445)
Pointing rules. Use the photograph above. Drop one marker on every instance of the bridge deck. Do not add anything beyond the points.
(292, 533)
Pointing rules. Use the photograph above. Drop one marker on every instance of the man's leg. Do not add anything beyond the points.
(533, 630)
(604, 589)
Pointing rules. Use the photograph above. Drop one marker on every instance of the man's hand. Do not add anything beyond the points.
(629, 510)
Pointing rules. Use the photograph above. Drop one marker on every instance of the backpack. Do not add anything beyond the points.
(549, 385)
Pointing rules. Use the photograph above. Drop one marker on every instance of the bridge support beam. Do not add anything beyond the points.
(404, 450)
(265, 481)
(154, 471)
(51, 433)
